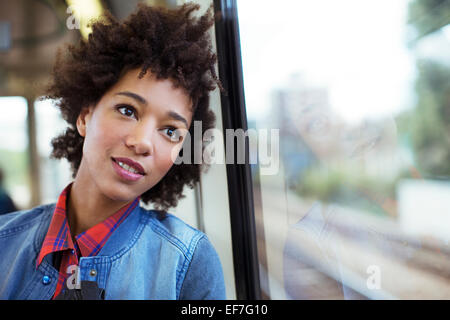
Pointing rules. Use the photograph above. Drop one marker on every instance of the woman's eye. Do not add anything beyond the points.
(127, 111)
(317, 125)
(173, 134)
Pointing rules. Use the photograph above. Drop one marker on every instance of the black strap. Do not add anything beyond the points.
(89, 291)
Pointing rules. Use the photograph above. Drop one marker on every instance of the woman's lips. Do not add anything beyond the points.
(135, 165)
(125, 174)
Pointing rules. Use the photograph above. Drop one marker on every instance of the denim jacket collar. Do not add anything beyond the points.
(114, 245)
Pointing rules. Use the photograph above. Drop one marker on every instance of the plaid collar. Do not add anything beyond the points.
(88, 243)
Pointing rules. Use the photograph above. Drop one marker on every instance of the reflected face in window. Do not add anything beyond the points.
(321, 130)
(331, 138)
(132, 134)
(368, 137)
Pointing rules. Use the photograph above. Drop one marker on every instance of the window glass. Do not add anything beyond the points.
(55, 174)
(211, 194)
(352, 188)
(13, 150)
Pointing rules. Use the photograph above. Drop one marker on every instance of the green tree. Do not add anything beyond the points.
(430, 121)
(427, 16)
(427, 125)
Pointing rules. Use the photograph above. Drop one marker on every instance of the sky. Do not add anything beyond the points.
(355, 48)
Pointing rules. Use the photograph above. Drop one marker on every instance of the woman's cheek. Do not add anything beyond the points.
(113, 131)
(166, 156)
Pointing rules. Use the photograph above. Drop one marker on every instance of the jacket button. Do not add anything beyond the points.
(46, 279)
(93, 272)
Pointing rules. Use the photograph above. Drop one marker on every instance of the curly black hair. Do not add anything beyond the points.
(171, 43)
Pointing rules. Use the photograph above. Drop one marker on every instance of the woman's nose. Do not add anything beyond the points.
(141, 139)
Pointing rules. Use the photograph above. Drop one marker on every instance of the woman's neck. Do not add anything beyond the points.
(87, 206)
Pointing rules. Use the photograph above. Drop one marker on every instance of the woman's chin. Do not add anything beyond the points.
(120, 195)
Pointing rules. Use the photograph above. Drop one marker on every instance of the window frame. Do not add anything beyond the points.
(240, 188)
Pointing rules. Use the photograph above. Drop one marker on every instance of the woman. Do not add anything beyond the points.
(130, 95)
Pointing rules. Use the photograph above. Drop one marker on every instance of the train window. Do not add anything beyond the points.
(352, 189)
(13, 150)
(210, 196)
(55, 174)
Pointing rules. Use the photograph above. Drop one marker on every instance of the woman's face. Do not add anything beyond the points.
(130, 136)
(321, 130)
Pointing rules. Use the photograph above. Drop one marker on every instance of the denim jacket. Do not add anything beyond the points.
(147, 257)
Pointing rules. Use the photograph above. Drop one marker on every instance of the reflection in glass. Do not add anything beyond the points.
(359, 209)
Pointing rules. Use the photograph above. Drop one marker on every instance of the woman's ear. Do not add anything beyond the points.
(83, 119)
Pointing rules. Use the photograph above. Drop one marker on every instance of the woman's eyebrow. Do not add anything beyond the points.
(176, 116)
(135, 96)
(141, 100)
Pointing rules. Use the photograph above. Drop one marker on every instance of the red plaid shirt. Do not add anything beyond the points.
(87, 244)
